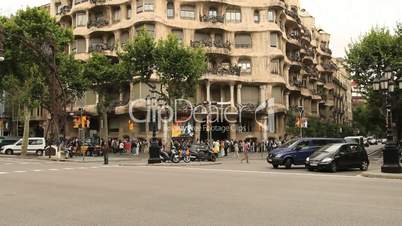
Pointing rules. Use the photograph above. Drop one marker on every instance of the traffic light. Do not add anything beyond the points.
(130, 125)
(76, 122)
(83, 121)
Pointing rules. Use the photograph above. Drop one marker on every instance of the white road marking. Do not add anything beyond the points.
(36, 170)
(251, 172)
(53, 169)
(19, 171)
(68, 168)
(3, 173)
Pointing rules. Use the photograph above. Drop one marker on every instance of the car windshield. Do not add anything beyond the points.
(290, 143)
(331, 148)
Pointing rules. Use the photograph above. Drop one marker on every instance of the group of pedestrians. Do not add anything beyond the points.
(128, 145)
(223, 147)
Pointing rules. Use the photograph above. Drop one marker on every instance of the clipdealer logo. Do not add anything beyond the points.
(214, 114)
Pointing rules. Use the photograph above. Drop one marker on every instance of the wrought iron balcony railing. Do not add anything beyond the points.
(63, 10)
(225, 69)
(212, 19)
(98, 22)
(100, 47)
(209, 43)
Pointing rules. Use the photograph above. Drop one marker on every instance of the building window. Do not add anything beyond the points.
(272, 16)
(245, 65)
(124, 37)
(140, 7)
(256, 16)
(150, 28)
(274, 40)
(212, 12)
(179, 34)
(187, 12)
(233, 15)
(275, 66)
(76, 2)
(116, 15)
(81, 19)
(80, 45)
(170, 10)
(277, 94)
(148, 5)
(243, 41)
(145, 6)
(129, 12)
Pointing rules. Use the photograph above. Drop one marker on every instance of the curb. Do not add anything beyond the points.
(172, 164)
(382, 175)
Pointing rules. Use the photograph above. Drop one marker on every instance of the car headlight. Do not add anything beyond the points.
(278, 155)
(308, 159)
(326, 160)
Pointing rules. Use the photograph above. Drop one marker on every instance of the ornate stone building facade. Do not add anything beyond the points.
(257, 50)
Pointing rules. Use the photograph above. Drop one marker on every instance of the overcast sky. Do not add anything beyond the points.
(345, 20)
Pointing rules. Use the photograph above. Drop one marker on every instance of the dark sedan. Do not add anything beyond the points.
(338, 156)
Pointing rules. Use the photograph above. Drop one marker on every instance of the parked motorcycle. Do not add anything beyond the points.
(172, 156)
(201, 153)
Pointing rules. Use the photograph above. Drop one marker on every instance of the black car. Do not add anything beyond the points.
(296, 151)
(338, 156)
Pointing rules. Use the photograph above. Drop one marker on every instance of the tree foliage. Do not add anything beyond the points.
(367, 59)
(178, 67)
(35, 51)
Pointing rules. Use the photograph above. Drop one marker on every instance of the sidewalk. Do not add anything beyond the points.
(375, 172)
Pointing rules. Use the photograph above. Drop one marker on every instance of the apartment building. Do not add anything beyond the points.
(257, 50)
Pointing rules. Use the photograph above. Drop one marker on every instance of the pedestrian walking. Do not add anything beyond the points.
(246, 148)
(236, 150)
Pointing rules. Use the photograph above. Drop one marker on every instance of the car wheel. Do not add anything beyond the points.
(9, 152)
(364, 166)
(288, 163)
(39, 152)
(275, 166)
(334, 168)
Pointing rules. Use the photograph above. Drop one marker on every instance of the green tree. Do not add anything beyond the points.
(105, 78)
(36, 70)
(367, 59)
(179, 68)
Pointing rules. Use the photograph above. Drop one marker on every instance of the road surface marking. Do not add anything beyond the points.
(68, 168)
(19, 171)
(3, 173)
(53, 169)
(252, 172)
(36, 170)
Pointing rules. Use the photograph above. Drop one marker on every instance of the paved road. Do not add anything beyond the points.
(36, 192)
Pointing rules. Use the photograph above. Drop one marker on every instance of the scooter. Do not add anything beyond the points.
(173, 156)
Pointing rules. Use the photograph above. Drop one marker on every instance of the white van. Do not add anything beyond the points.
(36, 145)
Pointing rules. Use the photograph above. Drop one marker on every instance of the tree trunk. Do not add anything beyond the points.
(105, 132)
(102, 111)
(27, 118)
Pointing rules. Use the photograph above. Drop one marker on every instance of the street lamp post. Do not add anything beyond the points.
(391, 156)
(154, 148)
